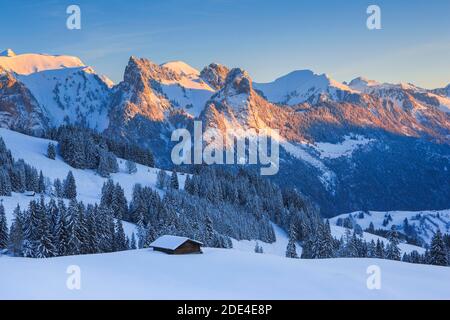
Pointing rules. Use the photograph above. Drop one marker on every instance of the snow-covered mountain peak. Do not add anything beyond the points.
(181, 68)
(7, 53)
(362, 83)
(301, 86)
(28, 63)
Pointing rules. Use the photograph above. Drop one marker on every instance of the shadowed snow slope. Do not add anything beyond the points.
(217, 274)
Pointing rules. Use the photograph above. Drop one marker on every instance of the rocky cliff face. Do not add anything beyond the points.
(19, 110)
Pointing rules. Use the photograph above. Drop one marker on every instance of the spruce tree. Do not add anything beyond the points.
(438, 251)
(5, 183)
(133, 245)
(161, 179)
(393, 251)
(70, 188)
(73, 244)
(16, 237)
(174, 181)
(41, 183)
(3, 228)
(51, 151)
(63, 232)
(291, 250)
(326, 240)
(209, 232)
(120, 238)
(57, 185)
(45, 247)
(131, 167)
(92, 234)
(32, 232)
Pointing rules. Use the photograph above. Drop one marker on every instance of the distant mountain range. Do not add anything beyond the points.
(349, 146)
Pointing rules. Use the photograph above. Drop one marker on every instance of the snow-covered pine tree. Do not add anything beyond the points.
(3, 228)
(107, 193)
(54, 217)
(45, 247)
(371, 228)
(72, 216)
(438, 251)
(120, 238)
(70, 188)
(62, 233)
(161, 180)
(393, 251)
(372, 249)
(131, 167)
(16, 238)
(91, 227)
(188, 185)
(105, 229)
(5, 183)
(174, 180)
(209, 232)
(119, 203)
(58, 188)
(51, 151)
(258, 248)
(32, 233)
(291, 250)
(41, 183)
(326, 249)
(379, 251)
(82, 232)
(133, 245)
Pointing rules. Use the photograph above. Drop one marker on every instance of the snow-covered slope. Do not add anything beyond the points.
(300, 86)
(187, 90)
(33, 151)
(404, 95)
(277, 248)
(339, 232)
(217, 274)
(424, 223)
(32, 62)
(76, 95)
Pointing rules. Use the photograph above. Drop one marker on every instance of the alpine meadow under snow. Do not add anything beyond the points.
(86, 180)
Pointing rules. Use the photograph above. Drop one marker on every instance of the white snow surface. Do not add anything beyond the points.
(32, 62)
(217, 274)
(181, 68)
(345, 148)
(277, 248)
(299, 86)
(426, 223)
(74, 93)
(189, 92)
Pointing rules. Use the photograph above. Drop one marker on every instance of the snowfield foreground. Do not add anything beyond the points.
(217, 274)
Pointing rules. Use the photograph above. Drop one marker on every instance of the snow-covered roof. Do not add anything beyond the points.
(171, 242)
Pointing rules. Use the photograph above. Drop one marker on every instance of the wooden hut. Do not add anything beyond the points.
(176, 245)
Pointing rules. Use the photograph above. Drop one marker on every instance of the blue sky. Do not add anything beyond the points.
(268, 38)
